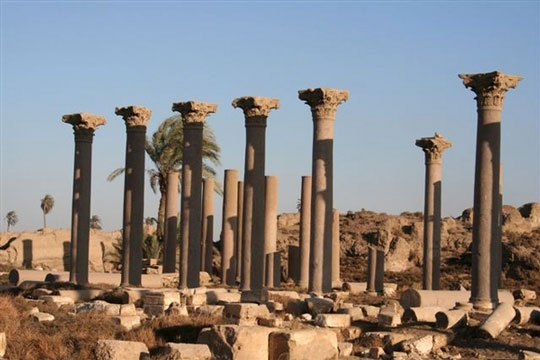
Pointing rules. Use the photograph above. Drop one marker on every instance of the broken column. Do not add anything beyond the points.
(171, 222)
(136, 118)
(433, 148)
(256, 110)
(305, 228)
(207, 230)
(229, 226)
(194, 114)
(323, 103)
(270, 227)
(84, 125)
(490, 90)
(239, 225)
(336, 281)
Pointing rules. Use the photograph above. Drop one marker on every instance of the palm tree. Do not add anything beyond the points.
(11, 219)
(95, 222)
(165, 149)
(47, 203)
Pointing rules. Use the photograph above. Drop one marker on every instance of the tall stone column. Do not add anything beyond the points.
(194, 114)
(171, 222)
(336, 280)
(490, 90)
(270, 227)
(84, 125)
(372, 270)
(229, 226)
(305, 228)
(323, 103)
(239, 225)
(256, 111)
(433, 148)
(136, 118)
(207, 231)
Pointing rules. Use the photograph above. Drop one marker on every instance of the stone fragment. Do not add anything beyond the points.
(99, 305)
(3, 344)
(528, 355)
(179, 351)
(196, 299)
(127, 309)
(313, 344)
(274, 306)
(421, 345)
(243, 314)
(236, 342)
(81, 294)
(214, 297)
(333, 320)
(177, 309)
(356, 313)
(345, 349)
(389, 319)
(376, 352)
(41, 317)
(210, 310)
(351, 333)
(443, 298)
(128, 322)
(283, 296)
(498, 320)
(57, 300)
(317, 305)
(204, 278)
(255, 296)
(525, 295)
(421, 314)
(525, 314)
(442, 339)
(164, 298)
(296, 307)
(274, 322)
(399, 355)
(154, 310)
(370, 310)
(121, 350)
(306, 317)
(392, 340)
(450, 318)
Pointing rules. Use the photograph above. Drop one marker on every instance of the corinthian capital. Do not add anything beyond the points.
(256, 108)
(434, 147)
(134, 115)
(194, 112)
(84, 121)
(323, 101)
(490, 88)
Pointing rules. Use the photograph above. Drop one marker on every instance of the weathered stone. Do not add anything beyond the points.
(351, 333)
(333, 320)
(345, 349)
(528, 355)
(369, 310)
(273, 322)
(392, 340)
(525, 314)
(422, 314)
(306, 317)
(297, 307)
(255, 296)
(450, 318)
(376, 352)
(128, 309)
(442, 339)
(179, 351)
(313, 344)
(498, 320)
(214, 297)
(3, 344)
(243, 314)
(128, 322)
(317, 305)
(283, 296)
(236, 342)
(196, 299)
(154, 310)
(274, 306)
(204, 278)
(443, 298)
(210, 310)
(165, 298)
(177, 309)
(121, 350)
(57, 300)
(41, 317)
(356, 313)
(525, 295)
(389, 319)
(101, 306)
(421, 345)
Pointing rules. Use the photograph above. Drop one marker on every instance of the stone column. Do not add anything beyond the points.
(490, 89)
(229, 226)
(256, 111)
(171, 222)
(323, 103)
(372, 270)
(433, 148)
(305, 228)
(207, 231)
(194, 114)
(136, 118)
(270, 227)
(239, 225)
(336, 280)
(84, 125)
(379, 271)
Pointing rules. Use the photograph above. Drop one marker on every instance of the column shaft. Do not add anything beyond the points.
(372, 270)
(270, 227)
(379, 271)
(207, 231)
(336, 281)
(171, 223)
(305, 228)
(432, 227)
(239, 227)
(229, 227)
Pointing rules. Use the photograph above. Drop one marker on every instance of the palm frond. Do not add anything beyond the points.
(115, 174)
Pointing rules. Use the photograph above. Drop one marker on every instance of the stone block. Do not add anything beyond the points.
(313, 344)
(274, 306)
(351, 333)
(243, 314)
(525, 295)
(345, 349)
(196, 299)
(237, 342)
(210, 310)
(333, 320)
(356, 313)
(528, 355)
(41, 317)
(121, 350)
(165, 298)
(255, 296)
(3, 344)
(420, 345)
(177, 309)
(296, 307)
(389, 319)
(154, 310)
(57, 300)
(370, 310)
(273, 322)
(204, 278)
(128, 309)
(178, 351)
(128, 322)
(214, 297)
(376, 352)
(318, 306)
(391, 341)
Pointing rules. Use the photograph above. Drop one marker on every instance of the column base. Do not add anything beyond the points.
(373, 293)
(483, 305)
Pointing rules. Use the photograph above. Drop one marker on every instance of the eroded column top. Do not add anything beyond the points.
(433, 147)
(323, 101)
(134, 115)
(84, 121)
(256, 108)
(490, 88)
(194, 111)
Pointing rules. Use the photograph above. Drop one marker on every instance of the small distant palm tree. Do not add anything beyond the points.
(11, 219)
(95, 222)
(47, 203)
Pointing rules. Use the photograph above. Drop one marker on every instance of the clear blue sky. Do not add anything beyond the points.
(399, 60)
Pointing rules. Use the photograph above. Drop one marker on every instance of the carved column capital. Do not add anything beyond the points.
(434, 147)
(256, 108)
(84, 123)
(490, 88)
(194, 113)
(134, 115)
(323, 101)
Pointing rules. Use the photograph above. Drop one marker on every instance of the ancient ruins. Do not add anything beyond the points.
(292, 304)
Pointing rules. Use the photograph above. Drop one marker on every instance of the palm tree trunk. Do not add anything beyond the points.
(44, 221)
(161, 215)
(8, 227)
